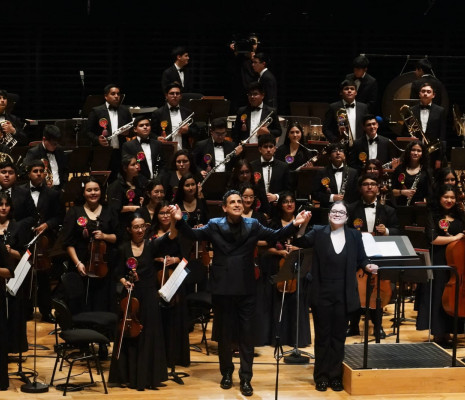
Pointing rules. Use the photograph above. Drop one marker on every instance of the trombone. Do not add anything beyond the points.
(343, 121)
(188, 121)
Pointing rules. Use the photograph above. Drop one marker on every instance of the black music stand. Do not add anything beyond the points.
(168, 149)
(100, 160)
(79, 160)
(304, 182)
(250, 152)
(215, 186)
(207, 109)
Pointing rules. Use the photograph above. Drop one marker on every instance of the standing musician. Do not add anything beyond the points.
(445, 225)
(338, 253)
(179, 71)
(89, 231)
(248, 118)
(209, 153)
(371, 146)
(333, 129)
(271, 176)
(411, 180)
(233, 283)
(368, 215)
(260, 62)
(107, 118)
(49, 152)
(424, 73)
(9, 123)
(336, 181)
(432, 118)
(142, 362)
(147, 151)
(168, 117)
(6, 272)
(49, 214)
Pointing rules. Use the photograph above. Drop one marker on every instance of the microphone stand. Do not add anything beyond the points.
(34, 386)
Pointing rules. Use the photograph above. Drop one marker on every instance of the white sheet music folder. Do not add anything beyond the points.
(379, 249)
(21, 272)
(177, 277)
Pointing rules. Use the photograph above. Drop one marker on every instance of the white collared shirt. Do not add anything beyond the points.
(372, 149)
(181, 74)
(148, 154)
(176, 120)
(219, 158)
(267, 172)
(424, 116)
(35, 195)
(114, 125)
(370, 216)
(261, 73)
(351, 117)
(52, 161)
(255, 118)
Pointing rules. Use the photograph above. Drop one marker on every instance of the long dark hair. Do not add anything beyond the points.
(406, 158)
(435, 203)
(149, 187)
(5, 196)
(297, 125)
(156, 224)
(81, 200)
(234, 182)
(179, 196)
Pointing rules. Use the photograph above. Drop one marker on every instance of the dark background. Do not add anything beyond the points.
(45, 45)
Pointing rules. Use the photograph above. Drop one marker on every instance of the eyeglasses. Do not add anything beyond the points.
(338, 212)
(164, 213)
(137, 227)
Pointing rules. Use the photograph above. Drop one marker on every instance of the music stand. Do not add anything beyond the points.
(168, 149)
(79, 160)
(250, 152)
(215, 186)
(207, 109)
(100, 158)
(304, 181)
(92, 100)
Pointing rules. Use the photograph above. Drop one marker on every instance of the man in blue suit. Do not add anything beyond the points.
(232, 279)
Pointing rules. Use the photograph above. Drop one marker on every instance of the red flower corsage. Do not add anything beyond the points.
(140, 156)
(131, 263)
(401, 178)
(257, 176)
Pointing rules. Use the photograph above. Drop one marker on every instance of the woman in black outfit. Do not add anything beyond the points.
(142, 361)
(337, 254)
(291, 151)
(6, 271)
(154, 193)
(181, 164)
(445, 224)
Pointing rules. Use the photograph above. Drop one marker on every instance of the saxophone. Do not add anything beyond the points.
(415, 130)
(414, 186)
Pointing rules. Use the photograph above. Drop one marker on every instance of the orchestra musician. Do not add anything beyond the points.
(170, 116)
(53, 154)
(154, 193)
(338, 253)
(147, 151)
(424, 73)
(445, 224)
(291, 151)
(142, 361)
(6, 272)
(368, 215)
(249, 117)
(179, 71)
(260, 63)
(104, 120)
(9, 123)
(337, 181)
(233, 283)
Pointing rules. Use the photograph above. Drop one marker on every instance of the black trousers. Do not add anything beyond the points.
(234, 316)
(330, 323)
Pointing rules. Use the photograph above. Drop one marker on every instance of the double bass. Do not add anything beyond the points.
(455, 257)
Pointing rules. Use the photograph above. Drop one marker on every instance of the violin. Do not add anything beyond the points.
(289, 286)
(129, 325)
(43, 261)
(97, 266)
(455, 256)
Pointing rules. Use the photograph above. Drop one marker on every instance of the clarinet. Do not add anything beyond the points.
(344, 181)
(414, 186)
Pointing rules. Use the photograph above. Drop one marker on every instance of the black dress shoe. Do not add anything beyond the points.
(246, 388)
(382, 334)
(353, 331)
(226, 382)
(48, 318)
(321, 386)
(336, 385)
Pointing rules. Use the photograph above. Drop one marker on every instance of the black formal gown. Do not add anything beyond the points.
(142, 362)
(423, 186)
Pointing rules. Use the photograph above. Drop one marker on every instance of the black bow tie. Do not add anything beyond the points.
(372, 205)
(267, 163)
(7, 191)
(218, 144)
(49, 152)
(352, 105)
(112, 108)
(36, 189)
(338, 169)
(145, 141)
(174, 108)
(376, 139)
(425, 107)
(181, 70)
(256, 108)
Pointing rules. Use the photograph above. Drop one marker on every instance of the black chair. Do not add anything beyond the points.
(78, 346)
(101, 321)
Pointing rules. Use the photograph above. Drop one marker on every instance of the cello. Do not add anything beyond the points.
(455, 257)
(130, 325)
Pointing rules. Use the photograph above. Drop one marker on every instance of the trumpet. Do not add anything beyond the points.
(343, 121)
(414, 129)
(120, 130)
(7, 138)
(264, 122)
(188, 121)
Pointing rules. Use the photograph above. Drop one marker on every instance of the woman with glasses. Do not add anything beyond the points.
(291, 151)
(338, 253)
(142, 359)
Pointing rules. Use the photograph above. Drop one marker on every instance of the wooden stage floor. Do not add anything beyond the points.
(295, 381)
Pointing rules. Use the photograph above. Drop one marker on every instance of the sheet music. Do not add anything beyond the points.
(379, 249)
(21, 272)
(177, 277)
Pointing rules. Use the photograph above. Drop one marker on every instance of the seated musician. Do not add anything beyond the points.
(9, 123)
(333, 128)
(249, 117)
(336, 181)
(211, 152)
(271, 176)
(411, 180)
(291, 151)
(106, 119)
(170, 116)
(368, 215)
(371, 146)
(49, 214)
(147, 151)
(50, 153)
